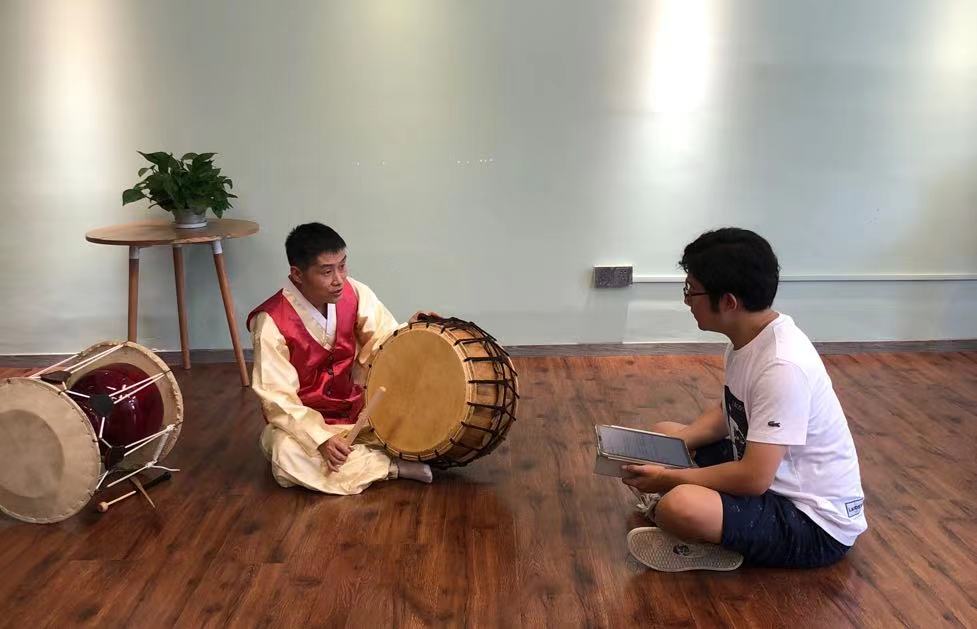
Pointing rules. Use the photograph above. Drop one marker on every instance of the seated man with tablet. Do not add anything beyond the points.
(777, 482)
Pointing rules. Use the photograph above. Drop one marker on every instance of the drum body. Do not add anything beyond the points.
(148, 410)
(451, 393)
(52, 458)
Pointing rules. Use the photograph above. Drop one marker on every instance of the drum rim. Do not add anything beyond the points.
(95, 467)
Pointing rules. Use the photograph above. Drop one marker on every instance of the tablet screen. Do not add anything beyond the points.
(642, 445)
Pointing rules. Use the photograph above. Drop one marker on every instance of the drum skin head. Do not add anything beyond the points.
(49, 458)
(426, 385)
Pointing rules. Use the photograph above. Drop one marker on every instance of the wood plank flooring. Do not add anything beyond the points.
(528, 536)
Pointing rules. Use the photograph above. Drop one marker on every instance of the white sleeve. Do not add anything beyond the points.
(780, 406)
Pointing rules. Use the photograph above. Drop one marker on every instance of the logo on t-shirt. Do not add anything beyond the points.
(738, 426)
(773, 424)
(854, 507)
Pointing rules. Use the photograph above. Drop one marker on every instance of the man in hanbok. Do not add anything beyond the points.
(312, 342)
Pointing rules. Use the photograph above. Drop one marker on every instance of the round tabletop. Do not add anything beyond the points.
(163, 232)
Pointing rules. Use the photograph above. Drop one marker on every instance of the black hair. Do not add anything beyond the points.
(306, 242)
(736, 261)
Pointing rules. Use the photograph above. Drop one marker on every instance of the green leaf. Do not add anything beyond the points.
(171, 190)
(130, 195)
(187, 156)
(159, 158)
(143, 171)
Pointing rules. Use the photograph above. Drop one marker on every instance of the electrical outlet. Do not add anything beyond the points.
(612, 276)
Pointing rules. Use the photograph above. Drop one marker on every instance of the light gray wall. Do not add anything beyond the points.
(481, 156)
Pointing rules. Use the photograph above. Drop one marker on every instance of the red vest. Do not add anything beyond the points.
(325, 376)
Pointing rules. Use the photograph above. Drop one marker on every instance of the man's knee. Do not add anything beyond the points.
(681, 503)
(690, 510)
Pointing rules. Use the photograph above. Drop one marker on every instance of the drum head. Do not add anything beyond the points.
(426, 390)
(150, 364)
(49, 459)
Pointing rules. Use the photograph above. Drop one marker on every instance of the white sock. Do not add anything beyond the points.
(412, 470)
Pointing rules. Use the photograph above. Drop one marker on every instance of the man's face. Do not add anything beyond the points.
(322, 283)
(698, 302)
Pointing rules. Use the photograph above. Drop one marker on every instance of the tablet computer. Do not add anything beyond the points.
(617, 446)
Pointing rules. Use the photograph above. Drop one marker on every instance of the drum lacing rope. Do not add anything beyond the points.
(152, 464)
(136, 387)
(77, 366)
(128, 390)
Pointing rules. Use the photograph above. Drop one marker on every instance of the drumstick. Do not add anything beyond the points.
(104, 506)
(365, 415)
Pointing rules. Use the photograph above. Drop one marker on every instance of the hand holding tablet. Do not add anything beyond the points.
(618, 446)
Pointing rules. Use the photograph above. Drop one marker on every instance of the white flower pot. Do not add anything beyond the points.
(188, 218)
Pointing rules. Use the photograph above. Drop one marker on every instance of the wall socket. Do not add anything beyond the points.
(613, 276)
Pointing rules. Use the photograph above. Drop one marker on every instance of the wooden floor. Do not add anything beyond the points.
(526, 537)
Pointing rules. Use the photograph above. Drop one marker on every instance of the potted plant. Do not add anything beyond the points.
(186, 187)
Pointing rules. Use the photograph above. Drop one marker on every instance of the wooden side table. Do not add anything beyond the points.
(161, 232)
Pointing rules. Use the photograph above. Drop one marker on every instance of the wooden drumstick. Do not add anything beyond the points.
(365, 415)
(104, 506)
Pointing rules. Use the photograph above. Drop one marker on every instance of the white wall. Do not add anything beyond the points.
(481, 156)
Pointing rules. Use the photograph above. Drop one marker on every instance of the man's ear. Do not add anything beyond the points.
(729, 302)
(295, 275)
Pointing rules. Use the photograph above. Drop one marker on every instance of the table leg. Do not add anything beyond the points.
(181, 303)
(133, 291)
(229, 310)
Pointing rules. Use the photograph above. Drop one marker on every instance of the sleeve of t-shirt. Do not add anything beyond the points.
(780, 406)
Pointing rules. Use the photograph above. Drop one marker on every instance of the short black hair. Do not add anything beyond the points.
(306, 242)
(737, 261)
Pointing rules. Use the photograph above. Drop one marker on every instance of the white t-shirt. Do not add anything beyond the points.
(778, 391)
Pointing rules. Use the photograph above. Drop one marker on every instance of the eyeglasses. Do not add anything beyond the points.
(688, 292)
